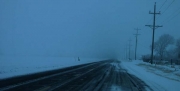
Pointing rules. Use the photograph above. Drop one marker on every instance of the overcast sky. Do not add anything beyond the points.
(94, 28)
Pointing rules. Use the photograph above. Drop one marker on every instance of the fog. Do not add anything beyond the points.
(85, 28)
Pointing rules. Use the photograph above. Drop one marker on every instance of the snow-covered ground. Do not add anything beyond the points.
(11, 66)
(159, 78)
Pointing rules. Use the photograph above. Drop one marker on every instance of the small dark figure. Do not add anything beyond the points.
(78, 59)
(171, 62)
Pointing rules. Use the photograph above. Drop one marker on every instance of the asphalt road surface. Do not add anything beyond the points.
(107, 75)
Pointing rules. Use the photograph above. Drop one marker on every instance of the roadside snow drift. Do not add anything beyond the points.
(156, 77)
(20, 65)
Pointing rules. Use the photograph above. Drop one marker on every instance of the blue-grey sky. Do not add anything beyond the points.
(94, 28)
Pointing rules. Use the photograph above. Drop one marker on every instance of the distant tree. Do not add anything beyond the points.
(178, 47)
(161, 44)
(146, 58)
(171, 54)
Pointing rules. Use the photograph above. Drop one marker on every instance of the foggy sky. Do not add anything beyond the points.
(90, 28)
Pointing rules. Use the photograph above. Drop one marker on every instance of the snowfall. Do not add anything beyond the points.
(157, 77)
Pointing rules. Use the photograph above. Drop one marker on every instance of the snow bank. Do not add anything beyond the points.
(151, 77)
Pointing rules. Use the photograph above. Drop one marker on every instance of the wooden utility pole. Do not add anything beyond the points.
(136, 35)
(153, 27)
(126, 49)
(129, 49)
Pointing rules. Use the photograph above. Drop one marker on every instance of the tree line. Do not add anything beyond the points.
(166, 48)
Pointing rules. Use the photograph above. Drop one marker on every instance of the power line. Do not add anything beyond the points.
(162, 5)
(172, 16)
(159, 10)
(168, 7)
(164, 11)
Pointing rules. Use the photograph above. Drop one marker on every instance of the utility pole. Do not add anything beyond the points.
(129, 48)
(154, 26)
(136, 35)
(126, 51)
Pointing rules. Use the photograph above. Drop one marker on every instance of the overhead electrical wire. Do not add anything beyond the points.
(172, 16)
(159, 9)
(162, 5)
(168, 7)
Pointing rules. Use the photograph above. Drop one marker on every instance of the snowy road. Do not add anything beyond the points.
(99, 76)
